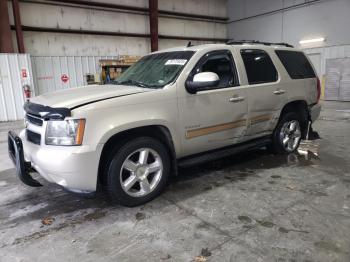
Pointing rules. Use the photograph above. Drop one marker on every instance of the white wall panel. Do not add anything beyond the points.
(330, 52)
(85, 19)
(51, 44)
(327, 18)
(11, 85)
(178, 27)
(66, 17)
(203, 7)
(48, 71)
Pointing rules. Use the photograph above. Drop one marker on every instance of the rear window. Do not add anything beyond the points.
(259, 66)
(296, 64)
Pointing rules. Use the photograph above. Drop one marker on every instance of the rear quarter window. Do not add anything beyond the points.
(259, 66)
(296, 64)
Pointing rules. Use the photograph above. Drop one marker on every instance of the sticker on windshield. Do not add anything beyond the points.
(176, 62)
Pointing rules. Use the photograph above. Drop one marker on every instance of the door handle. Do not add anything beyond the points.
(279, 92)
(236, 99)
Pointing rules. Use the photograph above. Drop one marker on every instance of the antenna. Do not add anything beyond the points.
(189, 44)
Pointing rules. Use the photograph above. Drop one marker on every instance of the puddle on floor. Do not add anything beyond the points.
(310, 153)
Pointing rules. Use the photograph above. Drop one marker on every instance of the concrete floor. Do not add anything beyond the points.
(249, 207)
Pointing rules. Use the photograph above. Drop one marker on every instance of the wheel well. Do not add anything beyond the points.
(300, 107)
(158, 132)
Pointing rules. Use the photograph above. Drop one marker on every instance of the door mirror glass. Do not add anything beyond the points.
(202, 81)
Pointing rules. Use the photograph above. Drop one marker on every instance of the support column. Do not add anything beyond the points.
(5, 29)
(153, 24)
(18, 26)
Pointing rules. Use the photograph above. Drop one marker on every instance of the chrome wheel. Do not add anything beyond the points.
(290, 135)
(141, 172)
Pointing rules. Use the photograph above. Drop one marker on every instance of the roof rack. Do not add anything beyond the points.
(241, 42)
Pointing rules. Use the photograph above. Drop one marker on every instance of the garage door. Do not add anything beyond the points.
(337, 79)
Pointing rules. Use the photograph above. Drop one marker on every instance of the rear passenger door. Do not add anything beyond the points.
(266, 96)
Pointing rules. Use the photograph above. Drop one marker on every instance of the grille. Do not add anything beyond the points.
(35, 120)
(33, 137)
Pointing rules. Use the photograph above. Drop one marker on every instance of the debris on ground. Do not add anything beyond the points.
(290, 187)
(245, 219)
(166, 257)
(47, 221)
(205, 252)
(140, 216)
(96, 214)
(309, 149)
(200, 259)
(264, 223)
(283, 230)
(276, 176)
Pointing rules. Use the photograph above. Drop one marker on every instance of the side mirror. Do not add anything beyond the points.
(202, 81)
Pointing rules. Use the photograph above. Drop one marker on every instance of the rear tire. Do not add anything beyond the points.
(138, 171)
(287, 134)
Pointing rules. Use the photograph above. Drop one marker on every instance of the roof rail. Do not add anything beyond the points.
(241, 42)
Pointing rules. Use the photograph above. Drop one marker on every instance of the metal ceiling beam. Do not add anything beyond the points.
(153, 24)
(125, 34)
(139, 9)
(5, 30)
(18, 26)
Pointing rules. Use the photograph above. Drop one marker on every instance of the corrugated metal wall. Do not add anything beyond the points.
(53, 73)
(330, 54)
(338, 79)
(15, 71)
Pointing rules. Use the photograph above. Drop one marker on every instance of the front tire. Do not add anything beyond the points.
(287, 135)
(138, 171)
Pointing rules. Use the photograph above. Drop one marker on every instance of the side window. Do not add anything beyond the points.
(296, 64)
(221, 63)
(259, 66)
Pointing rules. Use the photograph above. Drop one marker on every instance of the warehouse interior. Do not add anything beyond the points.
(249, 206)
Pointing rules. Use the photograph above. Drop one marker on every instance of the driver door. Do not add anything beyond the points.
(216, 117)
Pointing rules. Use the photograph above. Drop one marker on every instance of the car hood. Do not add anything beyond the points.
(75, 97)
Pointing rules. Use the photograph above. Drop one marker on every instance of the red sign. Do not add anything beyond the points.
(64, 78)
(24, 73)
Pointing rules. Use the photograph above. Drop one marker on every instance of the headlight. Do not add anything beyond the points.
(65, 133)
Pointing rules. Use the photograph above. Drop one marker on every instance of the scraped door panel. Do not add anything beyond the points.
(210, 120)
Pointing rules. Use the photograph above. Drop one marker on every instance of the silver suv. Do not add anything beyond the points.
(177, 107)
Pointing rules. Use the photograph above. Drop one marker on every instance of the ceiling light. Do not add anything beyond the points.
(310, 41)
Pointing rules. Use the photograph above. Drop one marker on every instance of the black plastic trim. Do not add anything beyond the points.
(46, 112)
(23, 168)
(223, 152)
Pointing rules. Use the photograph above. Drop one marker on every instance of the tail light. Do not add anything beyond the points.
(318, 89)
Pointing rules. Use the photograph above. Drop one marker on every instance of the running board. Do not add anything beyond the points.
(223, 152)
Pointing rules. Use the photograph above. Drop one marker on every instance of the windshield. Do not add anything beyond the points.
(155, 70)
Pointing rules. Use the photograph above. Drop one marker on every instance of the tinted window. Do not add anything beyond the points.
(259, 66)
(296, 64)
(221, 63)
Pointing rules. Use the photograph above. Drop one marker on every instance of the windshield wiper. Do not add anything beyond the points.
(132, 82)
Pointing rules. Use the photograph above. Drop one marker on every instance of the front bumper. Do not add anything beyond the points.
(73, 167)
